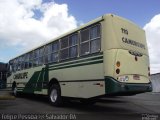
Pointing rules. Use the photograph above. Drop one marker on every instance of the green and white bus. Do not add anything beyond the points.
(107, 56)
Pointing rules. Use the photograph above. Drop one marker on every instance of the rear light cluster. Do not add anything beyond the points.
(120, 78)
(118, 64)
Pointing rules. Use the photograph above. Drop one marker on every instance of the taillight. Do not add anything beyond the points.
(118, 64)
(117, 71)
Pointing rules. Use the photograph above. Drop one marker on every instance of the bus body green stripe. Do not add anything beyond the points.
(37, 82)
(40, 79)
(31, 84)
(76, 65)
(76, 61)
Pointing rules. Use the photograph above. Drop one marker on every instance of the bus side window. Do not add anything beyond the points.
(47, 54)
(95, 38)
(84, 44)
(18, 63)
(22, 62)
(35, 57)
(10, 65)
(73, 45)
(90, 40)
(41, 56)
(26, 60)
(55, 49)
(14, 65)
(30, 59)
(64, 51)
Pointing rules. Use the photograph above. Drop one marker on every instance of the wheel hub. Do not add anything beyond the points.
(53, 95)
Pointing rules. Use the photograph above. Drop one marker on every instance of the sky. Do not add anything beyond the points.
(25, 24)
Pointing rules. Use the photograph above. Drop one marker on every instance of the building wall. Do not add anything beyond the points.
(3, 75)
(155, 79)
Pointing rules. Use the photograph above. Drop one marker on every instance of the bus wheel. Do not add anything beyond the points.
(55, 95)
(14, 90)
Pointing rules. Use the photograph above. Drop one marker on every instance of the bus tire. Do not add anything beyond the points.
(55, 95)
(14, 90)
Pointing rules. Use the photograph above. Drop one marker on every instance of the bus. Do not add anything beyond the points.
(106, 56)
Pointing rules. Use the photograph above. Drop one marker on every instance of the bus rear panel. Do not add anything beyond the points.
(126, 59)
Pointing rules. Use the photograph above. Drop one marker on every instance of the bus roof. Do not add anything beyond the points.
(74, 30)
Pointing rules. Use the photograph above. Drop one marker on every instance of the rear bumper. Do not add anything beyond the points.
(113, 87)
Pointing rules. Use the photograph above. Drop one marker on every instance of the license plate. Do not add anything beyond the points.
(136, 77)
